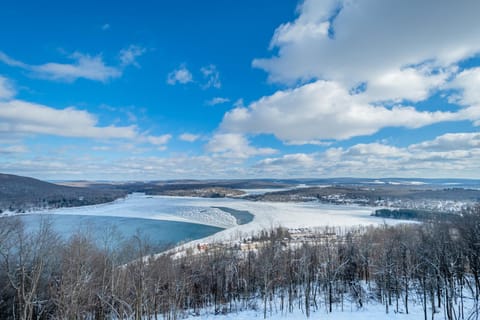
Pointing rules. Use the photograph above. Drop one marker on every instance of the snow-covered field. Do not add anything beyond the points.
(200, 210)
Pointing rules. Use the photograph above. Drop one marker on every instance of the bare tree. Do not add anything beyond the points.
(27, 259)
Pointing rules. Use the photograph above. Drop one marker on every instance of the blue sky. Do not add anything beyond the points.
(239, 89)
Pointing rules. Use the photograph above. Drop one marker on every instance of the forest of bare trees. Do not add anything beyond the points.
(432, 265)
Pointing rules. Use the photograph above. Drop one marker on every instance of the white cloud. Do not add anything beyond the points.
(234, 145)
(84, 66)
(100, 166)
(369, 51)
(411, 84)
(373, 149)
(356, 61)
(296, 159)
(128, 56)
(289, 165)
(211, 77)
(325, 110)
(361, 160)
(6, 89)
(449, 142)
(434, 158)
(468, 82)
(368, 39)
(352, 60)
(188, 137)
(181, 75)
(217, 100)
(449, 155)
(18, 116)
(158, 140)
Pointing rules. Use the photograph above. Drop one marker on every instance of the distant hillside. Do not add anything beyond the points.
(185, 188)
(412, 197)
(21, 194)
(164, 187)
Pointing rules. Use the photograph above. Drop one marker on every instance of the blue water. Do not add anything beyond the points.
(158, 233)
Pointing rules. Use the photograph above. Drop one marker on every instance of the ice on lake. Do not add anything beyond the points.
(206, 211)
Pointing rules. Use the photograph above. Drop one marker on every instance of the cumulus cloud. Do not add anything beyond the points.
(412, 84)
(18, 116)
(357, 67)
(356, 41)
(468, 82)
(189, 137)
(449, 155)
(324, 110)
(450, 141)
(234, 145)
(181, 75)
(375, 149)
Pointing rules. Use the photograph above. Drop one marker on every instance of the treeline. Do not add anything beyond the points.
(337, 194)
(414, 214)
(63, 199)
(434, 265)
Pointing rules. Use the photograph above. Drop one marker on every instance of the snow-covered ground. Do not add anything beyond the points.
(370, 311)
(200, 210)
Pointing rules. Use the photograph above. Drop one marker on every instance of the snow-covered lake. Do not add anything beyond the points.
(203, 211)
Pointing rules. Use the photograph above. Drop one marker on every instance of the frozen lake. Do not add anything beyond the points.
(159, 233)
(208, 212)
